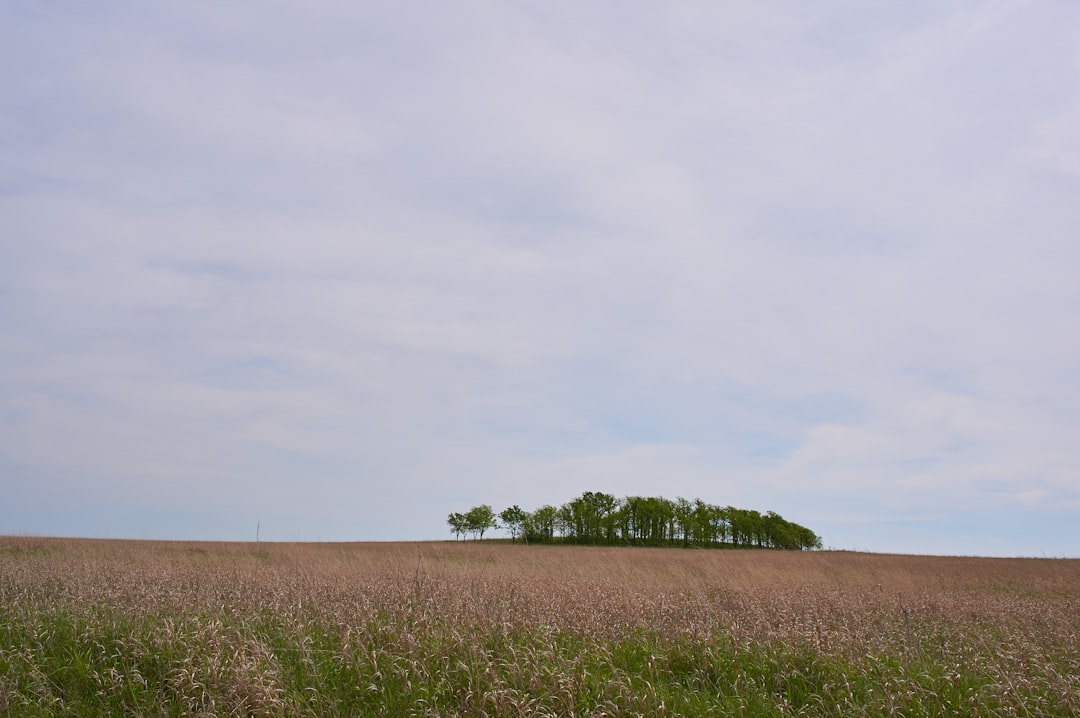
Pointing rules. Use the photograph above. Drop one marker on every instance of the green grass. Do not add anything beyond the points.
(107, 665)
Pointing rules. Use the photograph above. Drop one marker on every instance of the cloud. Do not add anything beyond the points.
(318, 261)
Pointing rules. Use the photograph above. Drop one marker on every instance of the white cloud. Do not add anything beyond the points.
(798, 258)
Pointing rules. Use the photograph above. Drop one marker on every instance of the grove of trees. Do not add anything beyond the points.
(601, 519)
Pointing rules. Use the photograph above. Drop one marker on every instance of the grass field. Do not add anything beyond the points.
(472, 629)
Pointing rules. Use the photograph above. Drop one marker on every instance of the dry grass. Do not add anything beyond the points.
(114, 627)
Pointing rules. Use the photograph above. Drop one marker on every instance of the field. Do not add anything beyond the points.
(477, 628)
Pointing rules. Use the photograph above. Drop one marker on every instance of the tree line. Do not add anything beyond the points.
(601, 519)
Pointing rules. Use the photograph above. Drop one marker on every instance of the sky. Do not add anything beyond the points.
(331, 270)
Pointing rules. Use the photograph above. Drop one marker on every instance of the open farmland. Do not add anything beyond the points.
(475, 628)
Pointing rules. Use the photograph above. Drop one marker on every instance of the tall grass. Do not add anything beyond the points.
(472, 629)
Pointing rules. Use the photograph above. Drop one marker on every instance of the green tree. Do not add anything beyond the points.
(631, 519)
(602, 516)
(740, 526)
(659, 515)
(514, 519)
(705, 520)
(684, 520)
(479, 519)
(458, 524)
(601, 519)
(540, 526)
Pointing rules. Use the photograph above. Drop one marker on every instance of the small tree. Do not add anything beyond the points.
(479, 519)
(514, 519)
(458, 524)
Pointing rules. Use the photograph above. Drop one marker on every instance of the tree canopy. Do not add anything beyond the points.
(602, 519)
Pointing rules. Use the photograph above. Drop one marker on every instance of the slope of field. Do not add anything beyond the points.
(472, 628)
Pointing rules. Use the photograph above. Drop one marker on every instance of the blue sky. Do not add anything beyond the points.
(337, 269)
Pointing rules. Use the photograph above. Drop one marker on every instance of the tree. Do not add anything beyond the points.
(458, 524)
(602, 517)
(575, 518)
(540, 525)
(631, 519)
(514, 519)
(564, 522)
(479, 519)
(591, 518)
(658, 516)
(706, 520)
(684, 520)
